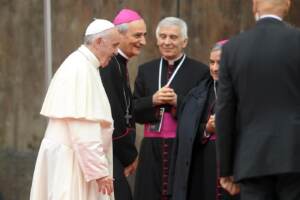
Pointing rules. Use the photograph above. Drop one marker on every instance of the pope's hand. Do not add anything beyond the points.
(105, 185)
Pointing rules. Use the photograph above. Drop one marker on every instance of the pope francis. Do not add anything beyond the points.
(75, 157)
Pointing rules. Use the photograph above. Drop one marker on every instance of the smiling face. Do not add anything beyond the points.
(170, 42)
(214, 64)
(134, 38)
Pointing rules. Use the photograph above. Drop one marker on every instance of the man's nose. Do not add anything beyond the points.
(215, 67)
(143, 40)
(167, 40)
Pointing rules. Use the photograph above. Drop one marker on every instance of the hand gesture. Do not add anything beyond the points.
(165, 95)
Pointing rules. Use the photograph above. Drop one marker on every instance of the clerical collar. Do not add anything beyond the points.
(177, 66)
(215, 88)
(174, 62)
(270, 16)
(89, 55)
(123, 54)
(121, 59)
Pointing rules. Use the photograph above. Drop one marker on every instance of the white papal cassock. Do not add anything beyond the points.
(77, 146)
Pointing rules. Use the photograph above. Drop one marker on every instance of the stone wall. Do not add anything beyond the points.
(22, 85)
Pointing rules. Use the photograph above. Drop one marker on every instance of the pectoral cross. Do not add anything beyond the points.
(128, 117)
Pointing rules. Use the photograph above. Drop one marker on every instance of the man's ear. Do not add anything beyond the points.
(288, 5)
(157, 43)
(255, 9)
(185, 42)
(98, 41)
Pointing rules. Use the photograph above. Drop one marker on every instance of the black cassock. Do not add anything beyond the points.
(199, 179)
(152, 173)
(116, 83)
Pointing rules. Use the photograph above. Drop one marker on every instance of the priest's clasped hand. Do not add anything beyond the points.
(165, 95)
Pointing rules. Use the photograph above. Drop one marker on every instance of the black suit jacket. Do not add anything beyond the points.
(258, 107)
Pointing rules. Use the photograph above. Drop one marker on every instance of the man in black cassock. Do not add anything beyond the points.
(258, 108)
(116, 83)
(195, 142)
(160, 87)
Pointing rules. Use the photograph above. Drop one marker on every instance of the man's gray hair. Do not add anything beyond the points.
(122, 28)
(88, 39)
(173, 21)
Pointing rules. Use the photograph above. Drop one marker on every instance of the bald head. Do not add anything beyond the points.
(274, 7)
(273, 1)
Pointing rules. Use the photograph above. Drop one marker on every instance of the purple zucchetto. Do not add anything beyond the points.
(126, 16)
(219, 45)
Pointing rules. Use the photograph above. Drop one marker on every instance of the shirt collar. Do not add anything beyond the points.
(271, 16)
(122, 54)
(174, 61)
(89, 55)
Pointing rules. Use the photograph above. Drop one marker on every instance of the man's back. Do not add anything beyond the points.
(263, 68)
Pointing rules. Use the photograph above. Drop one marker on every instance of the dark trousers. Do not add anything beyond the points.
(275, 187)
(203, 179)
(122, 189)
